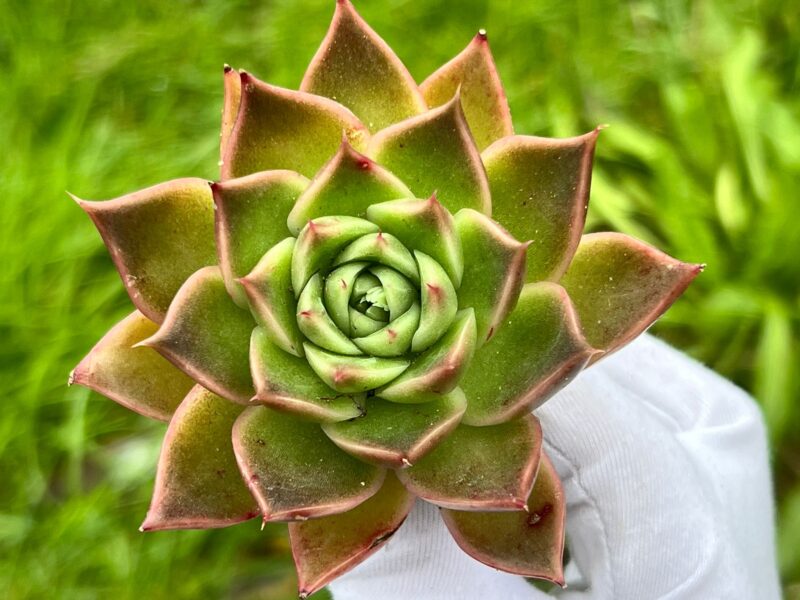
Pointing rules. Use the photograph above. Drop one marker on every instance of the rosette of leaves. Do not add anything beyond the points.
(366, 308)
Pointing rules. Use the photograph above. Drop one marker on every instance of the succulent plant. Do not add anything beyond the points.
(366, 308)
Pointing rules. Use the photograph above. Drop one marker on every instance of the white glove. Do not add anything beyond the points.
(667, 481)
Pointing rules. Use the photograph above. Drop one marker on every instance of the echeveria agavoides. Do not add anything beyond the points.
(366, 308)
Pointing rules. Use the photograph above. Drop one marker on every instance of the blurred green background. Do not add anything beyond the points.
(100, 98)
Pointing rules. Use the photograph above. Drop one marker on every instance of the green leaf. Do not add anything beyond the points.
(286, 382)
(316, 324)
(207, 336)
(198, 484)
(480, 468)
(338, 291)
(423, 225)
(269, 291)
(347, 185)
(394, 339)
(294, 470)
(524, 543)
(397, 435)
(382, 248)
(537, 352)
(355, 67)
(485, 105)
(435, 152)
(400, 292)
(232, 82)
(540, 192)
(325, 548)
(157, 237)
(494, 270)
(620, 286)
(439, 369)
(353, 374)
(278, 128)
(439, 303)
(137, 378)
(250, 219)
(320, 241)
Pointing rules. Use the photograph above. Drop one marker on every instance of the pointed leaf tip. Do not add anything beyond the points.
(325, 548)
(436, 151)
(157, 237)
(357, 68)
(528, 542)
(540, 190)
(473, 74)
(293, 469)
(134, 376)
(620, 286)
(196, 488)
(277, 128)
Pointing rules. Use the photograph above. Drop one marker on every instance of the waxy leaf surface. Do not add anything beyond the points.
(524, 543)
(355, 67)
(435, 153)
(353, 374)
(208, 337)
(137, 378)
(537, 351)
(620, 286)
(494, 270)
(480, 468)
(286, 382)
(295, 471)
(540, 192)
(157, 237)
(347, 185)
(325, 548)
(485, 105)
(278, 128)
(198, 483)
(397, 435)
(250, 219)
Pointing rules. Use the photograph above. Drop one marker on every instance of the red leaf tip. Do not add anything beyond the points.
(226, 68)
(482, 35)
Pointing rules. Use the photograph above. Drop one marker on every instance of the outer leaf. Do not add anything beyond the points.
(620, 286)
(482, 93)
(537, 352)
(353, 374)
(397, 435)
(480, 468)
(157, 237)
(494, 270)
(295, 471)
(207, 336)
(423, 225)
(525, 543)
(230, 106)
(347, 185)
(282, 129)
(285, 382)
(269, 291)
(250, 219)
(325, 548)
(435, 152)
(439, 303)
(356, 67)
(439, 369)
(320, 241)
(137, 378)
(198, 484)
(540, 192)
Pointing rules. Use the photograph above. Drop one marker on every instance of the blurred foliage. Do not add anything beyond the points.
(702, 158)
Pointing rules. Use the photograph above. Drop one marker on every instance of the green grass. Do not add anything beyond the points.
(100, 98)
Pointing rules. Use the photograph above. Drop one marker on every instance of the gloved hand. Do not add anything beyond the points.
(667, 481)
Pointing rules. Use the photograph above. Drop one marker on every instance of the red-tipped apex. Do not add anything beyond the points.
(481, 35)
(226, 68)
